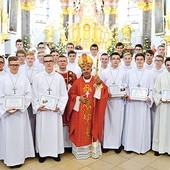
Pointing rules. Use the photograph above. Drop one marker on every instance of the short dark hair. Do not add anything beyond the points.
(2, 58)
(18, 40)
(94, 45)
(114, 53)
(21, 52)
(104, 54)
(70, 44)
(53, 51)
(12, 58)
(119, 44)
(167, 59)
(139, 45)
(140, 54)
(47, 55)
(40, 43)
(71, 52)
(161, 46)
(62, 56)
(150, 52)
(160, 56)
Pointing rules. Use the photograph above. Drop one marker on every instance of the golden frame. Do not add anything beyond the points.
(158, 14)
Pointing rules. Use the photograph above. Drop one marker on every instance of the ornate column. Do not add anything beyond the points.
(146, 7)
(167, 34)
(71, 11)
(107, 10)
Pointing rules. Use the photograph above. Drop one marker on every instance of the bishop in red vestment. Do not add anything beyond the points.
(86, 108)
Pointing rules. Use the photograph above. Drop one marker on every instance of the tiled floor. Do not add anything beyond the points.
(107, 161)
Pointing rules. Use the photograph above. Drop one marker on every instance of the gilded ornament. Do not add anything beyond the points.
(145, 6)
(27, 6)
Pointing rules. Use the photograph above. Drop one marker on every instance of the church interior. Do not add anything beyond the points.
(86, 22)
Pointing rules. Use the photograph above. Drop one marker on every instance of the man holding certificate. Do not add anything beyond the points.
(15, 97)
(114, 78)
(137, 127)
(161, 94)
(49, 101)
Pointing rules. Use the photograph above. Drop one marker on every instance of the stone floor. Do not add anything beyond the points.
(107, 161)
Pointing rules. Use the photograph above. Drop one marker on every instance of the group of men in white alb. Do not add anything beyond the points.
(137, 111)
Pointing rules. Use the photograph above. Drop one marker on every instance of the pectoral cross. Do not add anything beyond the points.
(14, 89)
(138, 85)
(49, 90)
(87, 94)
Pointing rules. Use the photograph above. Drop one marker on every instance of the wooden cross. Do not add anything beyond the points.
(49, 90)
(87, 94)
(14, 89)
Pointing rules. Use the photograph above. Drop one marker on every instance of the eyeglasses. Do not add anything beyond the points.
(48, 61)
(14, 65)
(158, 60)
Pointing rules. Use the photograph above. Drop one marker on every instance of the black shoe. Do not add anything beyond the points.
(105, 150)
(117, 151)
(42, 159)
(69, 150)
(16, 166)
(129, 152)
(156, 154)
(57, 159)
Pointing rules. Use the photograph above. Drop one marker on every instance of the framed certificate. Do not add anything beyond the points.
(16, 102)
(165, 95)
(49, 102)
(116, 90)
(138, 93)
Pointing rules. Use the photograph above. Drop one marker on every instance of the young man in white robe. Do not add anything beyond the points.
(30, 70)
(49, 85)
(156, 71)
(126, 62)
(104, 62)
(161, 94)
(16, 130)
(114, 77)
(137, 127)
(149, 63)
(72, 64)
(2, 73)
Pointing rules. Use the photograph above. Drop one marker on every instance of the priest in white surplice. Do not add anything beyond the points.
(114, 77)
(161, 136)
(49, 127)
(137, 127)
(16, 130)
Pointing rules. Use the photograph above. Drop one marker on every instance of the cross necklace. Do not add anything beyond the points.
(114, 79)
(49, 84)
(30, 76)
(139, 78)
(14, 83)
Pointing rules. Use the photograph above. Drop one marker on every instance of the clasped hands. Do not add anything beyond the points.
(43, 108)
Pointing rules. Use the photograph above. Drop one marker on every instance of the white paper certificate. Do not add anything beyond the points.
(165, 95)
(14, 102)
(49, 102)
(116, 90)
(138, 93)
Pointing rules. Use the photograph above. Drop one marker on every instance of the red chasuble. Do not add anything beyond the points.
(86, 124)
(69, 78)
